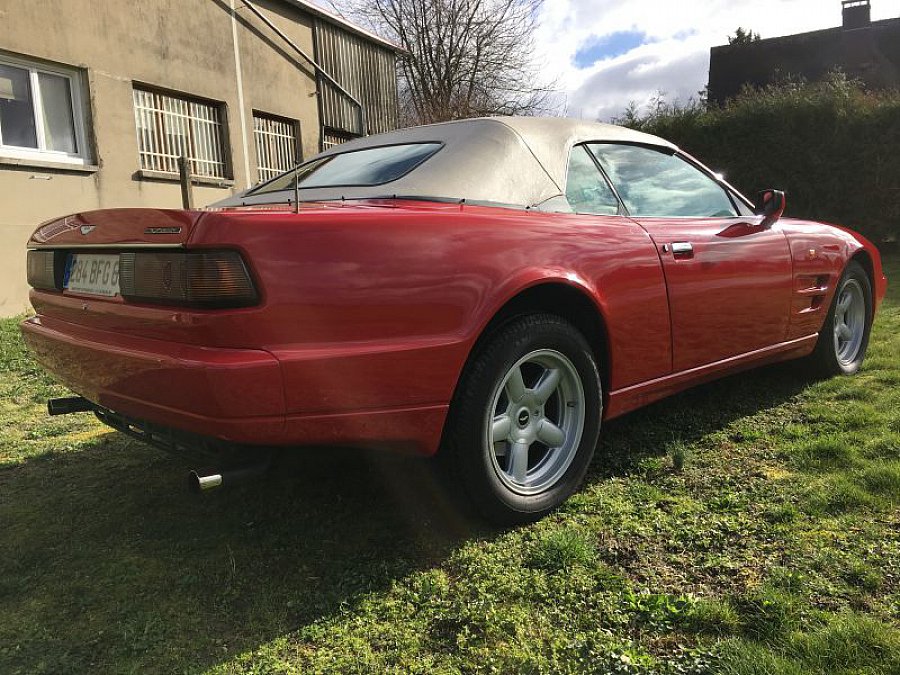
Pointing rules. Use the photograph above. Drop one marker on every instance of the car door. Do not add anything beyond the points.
(619, 259)
(728, 277)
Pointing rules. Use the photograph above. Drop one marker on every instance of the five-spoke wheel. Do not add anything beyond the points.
(849, 321)
(845, 334)
(526, 419)
(536, 420)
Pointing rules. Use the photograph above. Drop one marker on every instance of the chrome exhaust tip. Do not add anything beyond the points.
(201, 481)
(198, 483)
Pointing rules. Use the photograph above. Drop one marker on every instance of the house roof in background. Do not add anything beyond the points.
(349, 26)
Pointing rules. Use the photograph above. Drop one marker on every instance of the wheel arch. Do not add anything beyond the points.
(864, 252)
(864, 258)
(563, 298)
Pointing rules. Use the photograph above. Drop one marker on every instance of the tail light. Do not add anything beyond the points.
(206, 279)
(42, 270)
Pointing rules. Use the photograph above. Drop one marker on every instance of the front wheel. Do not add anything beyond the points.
(844, 338)
(524, 425)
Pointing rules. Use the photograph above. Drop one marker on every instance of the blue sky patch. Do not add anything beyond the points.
(599, 47)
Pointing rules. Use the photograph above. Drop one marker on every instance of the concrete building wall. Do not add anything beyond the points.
(186, 46)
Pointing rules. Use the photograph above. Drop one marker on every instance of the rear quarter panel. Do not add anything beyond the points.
(380, 307)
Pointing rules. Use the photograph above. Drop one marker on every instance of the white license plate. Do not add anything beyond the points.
(94, 273)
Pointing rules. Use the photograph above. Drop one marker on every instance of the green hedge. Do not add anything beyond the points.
(834, 148)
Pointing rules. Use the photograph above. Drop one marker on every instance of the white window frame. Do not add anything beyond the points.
(294, 136)
(161, 158)
(41, 153)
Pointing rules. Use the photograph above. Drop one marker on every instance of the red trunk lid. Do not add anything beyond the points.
(111, 231)
(117, 227)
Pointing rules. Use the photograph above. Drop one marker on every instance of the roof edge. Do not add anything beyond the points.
(331, 17)
(881, 23)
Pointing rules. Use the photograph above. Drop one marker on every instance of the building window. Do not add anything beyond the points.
(332, 137)
(276, 144)
(169, 127)
(41, 113)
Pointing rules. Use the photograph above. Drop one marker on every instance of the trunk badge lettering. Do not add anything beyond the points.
(163, 230)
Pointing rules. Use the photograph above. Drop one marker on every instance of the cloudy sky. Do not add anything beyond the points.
(607, 53)
(610, 52)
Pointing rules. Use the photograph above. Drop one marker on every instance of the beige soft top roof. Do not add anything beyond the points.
(520, 161)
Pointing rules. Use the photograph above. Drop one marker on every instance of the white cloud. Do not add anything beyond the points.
(637, 76)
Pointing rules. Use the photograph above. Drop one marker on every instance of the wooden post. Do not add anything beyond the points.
(184, 173)
(298, 158)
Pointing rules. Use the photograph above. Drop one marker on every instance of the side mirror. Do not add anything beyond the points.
(770, 205)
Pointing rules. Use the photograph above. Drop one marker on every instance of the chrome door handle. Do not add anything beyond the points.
(682, 249)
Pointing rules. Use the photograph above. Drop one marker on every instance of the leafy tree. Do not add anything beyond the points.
(743, 37)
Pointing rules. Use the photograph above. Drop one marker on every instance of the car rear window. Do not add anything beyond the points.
(357, 168)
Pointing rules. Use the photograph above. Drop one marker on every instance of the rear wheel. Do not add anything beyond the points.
(844, 338)
(524, 425)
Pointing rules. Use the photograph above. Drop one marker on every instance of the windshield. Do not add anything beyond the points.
(361, 168)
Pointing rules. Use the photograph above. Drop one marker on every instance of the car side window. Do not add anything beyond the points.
(743, 209)
(654, 182)
(586, 188)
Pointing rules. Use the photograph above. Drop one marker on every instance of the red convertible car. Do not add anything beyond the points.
(489, 290)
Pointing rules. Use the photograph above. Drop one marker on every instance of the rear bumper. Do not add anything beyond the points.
(233, 395)
(229, 394)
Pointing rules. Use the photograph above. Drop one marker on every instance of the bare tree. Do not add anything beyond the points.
(463, 58)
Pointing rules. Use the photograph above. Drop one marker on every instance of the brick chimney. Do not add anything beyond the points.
(857, 13)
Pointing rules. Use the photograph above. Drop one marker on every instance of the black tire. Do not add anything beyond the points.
(827, 359)
(473, 458)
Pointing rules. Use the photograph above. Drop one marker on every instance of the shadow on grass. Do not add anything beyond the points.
(110, 565)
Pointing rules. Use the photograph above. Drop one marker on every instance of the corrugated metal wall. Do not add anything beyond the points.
(367, 71)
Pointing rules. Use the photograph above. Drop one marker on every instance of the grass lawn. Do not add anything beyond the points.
(747, 526)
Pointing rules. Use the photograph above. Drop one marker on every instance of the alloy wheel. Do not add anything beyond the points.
(849, 321)
(534, 422)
